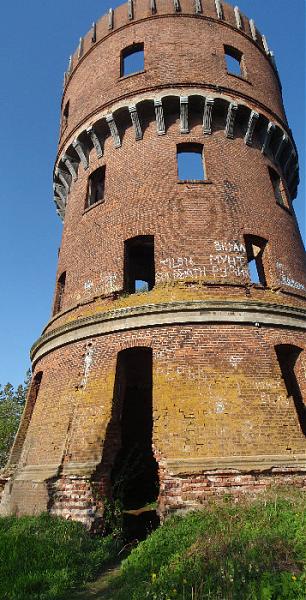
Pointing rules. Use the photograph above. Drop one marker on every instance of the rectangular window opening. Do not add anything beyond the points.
(132, 60)
(234, 61)
(65, 115)
(96, 186)
(190, 162)
(59, 295)
(255, 250)
(139, 267)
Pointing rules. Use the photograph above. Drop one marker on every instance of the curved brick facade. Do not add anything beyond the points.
(226, 351)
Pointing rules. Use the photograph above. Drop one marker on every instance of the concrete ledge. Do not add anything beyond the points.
(237, 464)
(169, 314)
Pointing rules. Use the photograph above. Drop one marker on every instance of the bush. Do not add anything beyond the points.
(44, 557)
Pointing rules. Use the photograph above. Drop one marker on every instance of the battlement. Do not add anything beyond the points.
(137, 10)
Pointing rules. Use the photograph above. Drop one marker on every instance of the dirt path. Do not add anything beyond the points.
(99, 589)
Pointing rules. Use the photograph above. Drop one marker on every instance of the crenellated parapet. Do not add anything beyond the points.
(258, 131)
(135, 11)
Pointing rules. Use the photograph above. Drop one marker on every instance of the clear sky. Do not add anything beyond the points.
(37, 37)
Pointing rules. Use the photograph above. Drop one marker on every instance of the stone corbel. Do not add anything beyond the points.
(177, 6)
(81, 152)
(113, 130)
(153, 7)
(238, 17)
(281, 147)
(159, 114)
(61, 192)
(110, 19)
(72, 166)
(135, 121)
(95, 140)
(230, 120)
(293, 176)
(94, 33)
(248, 138)
(81, 48)
(198, 6)
(60, 207)
(268, 137)
(184, 114)
(290, 161)
(64, 177)
(130, 10)
(207, 116)
(253, 29)
(219, 9)
(265, 44)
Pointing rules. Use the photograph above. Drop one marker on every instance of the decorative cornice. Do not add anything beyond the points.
(236, 464)
(250, 313)
(94, 134)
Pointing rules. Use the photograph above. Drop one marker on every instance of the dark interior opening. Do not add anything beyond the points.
(287, 356)
(139, 268)
(96, 185)
(134, 476)
(60, 290)
(255, 247)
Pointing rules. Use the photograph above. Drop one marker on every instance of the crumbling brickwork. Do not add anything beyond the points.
(175, 391)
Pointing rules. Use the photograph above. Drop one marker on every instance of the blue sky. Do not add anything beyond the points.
(37, 38)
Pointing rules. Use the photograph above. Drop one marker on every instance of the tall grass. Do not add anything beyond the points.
(43, 557)
(227, 552)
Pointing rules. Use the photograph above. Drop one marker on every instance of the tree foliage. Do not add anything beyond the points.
(12, 401)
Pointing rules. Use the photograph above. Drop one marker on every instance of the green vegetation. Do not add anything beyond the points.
(227, 552)
(12, 403)
(42, 558)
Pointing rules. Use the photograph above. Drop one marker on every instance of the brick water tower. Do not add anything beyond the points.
(173, 367)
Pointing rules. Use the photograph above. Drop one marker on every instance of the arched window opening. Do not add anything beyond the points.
(59, 295)
(234, 61)
(96, 187)
(255, 247)
(26, 419)
(132, 60)
(287, 356)
(278, 188)
(65, 115)
(139, 267)
(190, 162)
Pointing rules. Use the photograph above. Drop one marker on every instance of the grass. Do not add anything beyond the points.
(44, 558)
(227, 552)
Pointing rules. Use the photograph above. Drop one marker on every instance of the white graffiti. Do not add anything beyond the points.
(181, 267)
(88, 360)
(88, 285)
(285, 279)
(110, 283)
(230, 259)
(235, 360)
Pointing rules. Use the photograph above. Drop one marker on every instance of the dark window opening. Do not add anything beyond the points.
(60, 290)
(96, 186)
(132, 60)
(26, 418)
(255, 247)
(287, 356)
(139, 268)
(190, 162)
(65, 115)
(134, 476)
(278, 188)
(234, 61)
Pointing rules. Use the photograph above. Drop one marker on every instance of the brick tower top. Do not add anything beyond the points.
(185, 44)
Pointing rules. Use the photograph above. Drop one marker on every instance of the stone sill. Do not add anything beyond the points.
(194, 181)
(123, 77)
(89, 208)
(239, 77)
